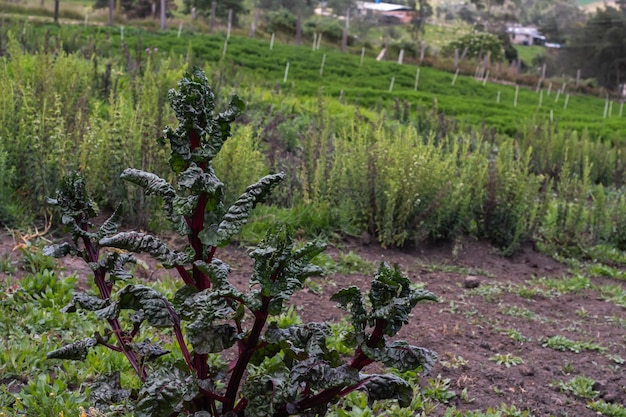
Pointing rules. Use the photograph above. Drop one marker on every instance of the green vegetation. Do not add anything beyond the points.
(562, 343)
(207, 314)
(506, 359)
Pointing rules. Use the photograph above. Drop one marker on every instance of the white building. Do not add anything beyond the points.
(520, 35)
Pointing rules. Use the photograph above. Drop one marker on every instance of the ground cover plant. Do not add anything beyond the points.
(276, 371)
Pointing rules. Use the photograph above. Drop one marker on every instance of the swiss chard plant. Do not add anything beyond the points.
(276, 371)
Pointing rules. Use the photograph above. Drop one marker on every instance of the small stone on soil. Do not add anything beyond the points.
(471, 282)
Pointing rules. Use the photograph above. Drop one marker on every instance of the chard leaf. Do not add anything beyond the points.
(351, 299)
(319, 374)
(392, 298)
(149, 351)
(193, 103)
(181, 304)
(107, 390)
(279, 270)
(208, 338)
(109, 312)
(185, 206)
(109, 226)
(267, 390)
(403, 357)
(199, 181)
(115, 262)
(239, 212)
(150, 303)
(73, 200)
(74, 351)
(388, 387)
(59, 250)
(151, 183)
(308, 339)
(140, 242)
(84, 301)
(165, 393)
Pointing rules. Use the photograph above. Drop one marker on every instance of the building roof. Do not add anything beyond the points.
(528, 31)
(381, 7)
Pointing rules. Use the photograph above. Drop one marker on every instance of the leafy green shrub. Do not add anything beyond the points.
(278, 371)
(477, 44)
(281, 20)
(331, 29)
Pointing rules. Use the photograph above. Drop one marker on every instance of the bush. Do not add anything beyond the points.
(281, 21)
(478, 45)
(331, 29)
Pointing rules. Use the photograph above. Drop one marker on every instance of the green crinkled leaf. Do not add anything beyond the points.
(388, 387)
(237, 215)
(84, 301)
(109, 226)
(267, 390)
(140, 242)
(208, 338)
(185, 206)
(198, 181)
(151, 183)
(109, 312)
(180, 304)
(148, 301)
(403, 357)
(114, 263)
(107, 390)
(392, 298)
(218, 271)
(279, 270)
(165, 393)
(149, 351)
(193, 103)
(351, 299)
(59, 251)
(74, 351)
(73, 200)
(309, 339)
(319, 374)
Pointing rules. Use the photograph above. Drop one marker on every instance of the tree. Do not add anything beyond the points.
(339, 7)
(599, 50)
(221, 11)
(137, 9)
(422, 10)
(304, 8)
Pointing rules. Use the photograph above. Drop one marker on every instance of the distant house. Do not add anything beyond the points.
(520, 35)
(387, 12)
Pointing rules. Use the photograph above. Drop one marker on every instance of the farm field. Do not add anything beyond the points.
(373, 84)
(534, 338)
(513, 216)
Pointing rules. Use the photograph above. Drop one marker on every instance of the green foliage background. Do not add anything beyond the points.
(358, 157)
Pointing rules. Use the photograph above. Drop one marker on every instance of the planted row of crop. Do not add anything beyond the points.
(368, 84)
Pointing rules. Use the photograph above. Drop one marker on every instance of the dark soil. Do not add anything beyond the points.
(469, 325)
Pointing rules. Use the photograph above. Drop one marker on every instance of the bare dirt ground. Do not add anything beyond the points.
(513, 310)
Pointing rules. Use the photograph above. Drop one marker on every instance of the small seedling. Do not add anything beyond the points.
(568, 368)
(515, 335)
(580, 386)
(607, 409)
(453, 361)
(438, 389)
(506, 359)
